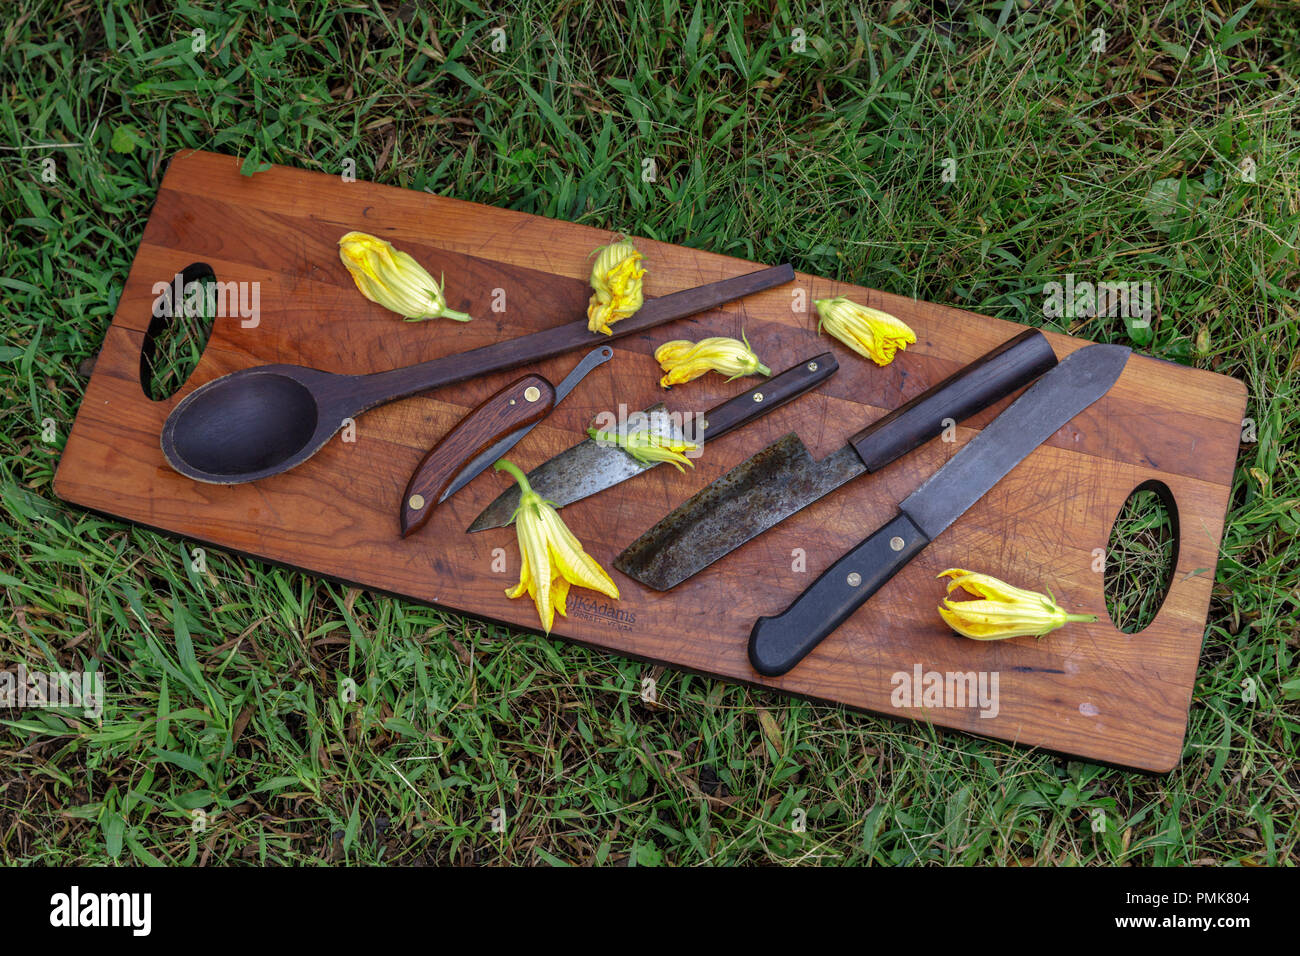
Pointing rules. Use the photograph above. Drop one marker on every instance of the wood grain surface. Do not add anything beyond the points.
(1087, 690)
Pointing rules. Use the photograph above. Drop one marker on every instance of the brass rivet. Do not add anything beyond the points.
(416, 502)
(854, 579)
(703, 424)
(758, 396)
(896, 543)
(532, 393)
(812, 366)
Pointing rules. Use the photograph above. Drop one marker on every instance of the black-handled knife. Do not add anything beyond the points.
(783, 478)
(767, 396)
(590, 466)
(777, 643)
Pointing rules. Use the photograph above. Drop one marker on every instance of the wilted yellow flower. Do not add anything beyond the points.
(684, 360)
(551, 557)
(1004, 611)
(870, 332)
(616, 279)
(393, 279)
(646, 446)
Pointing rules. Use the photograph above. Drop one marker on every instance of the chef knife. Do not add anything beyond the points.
(483, 436)
(590, 466)
(783, 478)
(777, 643)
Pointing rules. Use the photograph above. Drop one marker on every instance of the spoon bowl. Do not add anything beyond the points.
(242, 427)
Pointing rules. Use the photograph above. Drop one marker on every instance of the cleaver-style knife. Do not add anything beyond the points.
(777, 643)
(590, 466)
(783, 478)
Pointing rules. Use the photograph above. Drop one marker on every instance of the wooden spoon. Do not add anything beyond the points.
(264, 420)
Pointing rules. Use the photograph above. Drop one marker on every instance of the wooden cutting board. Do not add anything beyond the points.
(1088, 690)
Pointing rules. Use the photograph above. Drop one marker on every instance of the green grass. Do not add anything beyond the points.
(224, 679)
(1140, 559)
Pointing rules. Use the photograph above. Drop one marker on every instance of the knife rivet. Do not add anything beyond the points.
(812, 366)
(758, 396)
(416, 502)
(532, 393)
(896, 543)
(854, 579)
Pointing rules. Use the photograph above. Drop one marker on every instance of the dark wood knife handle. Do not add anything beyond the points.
(992, 376)
(519, 404)
(770, 394)
(777, 643)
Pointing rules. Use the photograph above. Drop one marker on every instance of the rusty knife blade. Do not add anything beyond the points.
(585, 469)
(758, 493)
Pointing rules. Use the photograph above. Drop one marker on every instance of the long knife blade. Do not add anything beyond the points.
(783, 478)
(778, 643)
(476, 464)
(1047, 405)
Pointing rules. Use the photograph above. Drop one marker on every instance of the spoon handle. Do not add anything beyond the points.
(367, 391)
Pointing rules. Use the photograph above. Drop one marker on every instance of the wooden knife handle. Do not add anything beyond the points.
(992, 376)
(521, 403)
(768, 395)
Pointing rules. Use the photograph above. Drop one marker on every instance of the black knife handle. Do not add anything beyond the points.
(772, 393)
(992, 376)
(777, 643)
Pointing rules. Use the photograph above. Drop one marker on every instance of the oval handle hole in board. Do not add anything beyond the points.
(178, 331)
(1141, 556)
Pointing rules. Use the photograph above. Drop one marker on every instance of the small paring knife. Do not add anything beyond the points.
(590, 467)
(483, 436)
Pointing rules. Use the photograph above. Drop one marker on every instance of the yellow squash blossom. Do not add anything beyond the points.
(683, 361)
(647, 446)
(870, 332)
(1003, 611)
(551, 557)
(393, 279)
(616, 280)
